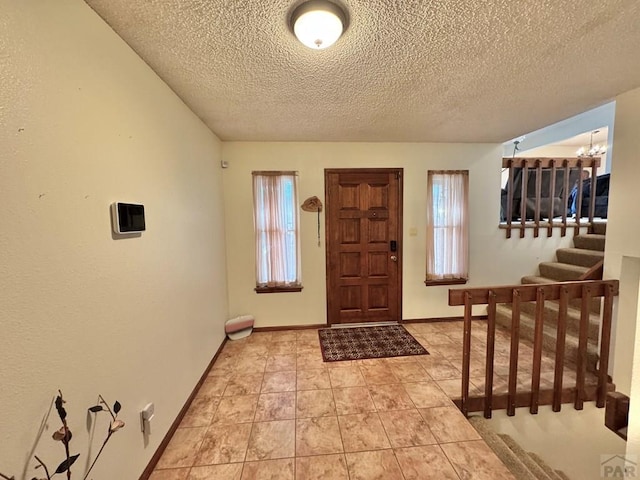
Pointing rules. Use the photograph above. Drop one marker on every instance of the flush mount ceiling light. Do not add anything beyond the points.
(318, 23)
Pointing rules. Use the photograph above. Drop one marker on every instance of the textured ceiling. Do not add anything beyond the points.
(404, 70)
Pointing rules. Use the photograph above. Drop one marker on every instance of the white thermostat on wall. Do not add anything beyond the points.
(127, 218)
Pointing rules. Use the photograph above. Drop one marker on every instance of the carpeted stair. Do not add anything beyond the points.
(571, 264)
(523, 465)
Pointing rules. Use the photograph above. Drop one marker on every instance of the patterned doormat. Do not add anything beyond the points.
(358, 343)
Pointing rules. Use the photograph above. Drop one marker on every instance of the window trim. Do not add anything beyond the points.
(452, 281)
(278, 289)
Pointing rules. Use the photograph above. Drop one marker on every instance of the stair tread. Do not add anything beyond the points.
(599, 227)
(551, 473)
(566, 266)
(562, 271)
(547, 330)
(592, 235)
(592, 241)
(529, 462)
(574, 312)
(582, 251)
(515, 465)
(579, 256)
(537, 279)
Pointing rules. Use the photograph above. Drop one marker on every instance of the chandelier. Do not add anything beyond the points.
(592, 150)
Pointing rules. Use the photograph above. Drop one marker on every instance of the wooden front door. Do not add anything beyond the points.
(364, 244)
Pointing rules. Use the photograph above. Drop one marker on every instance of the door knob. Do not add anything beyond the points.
(394, 258)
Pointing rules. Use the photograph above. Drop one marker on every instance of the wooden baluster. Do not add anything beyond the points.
(605, 340)
(537, 351)
(513, 355)
(523, 199)
(552, 195)
(466, 353)
(491, 341)
(510, 197)
(560, 345)
(594, 181)
(579, 199)
(536, 216)
(565, 198)
(581, 363)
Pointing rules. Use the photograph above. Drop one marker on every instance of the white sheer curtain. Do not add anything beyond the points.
(447, 226)
(275, 211)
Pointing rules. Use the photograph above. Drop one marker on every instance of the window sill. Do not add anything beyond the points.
(278, 289)
(452, 281)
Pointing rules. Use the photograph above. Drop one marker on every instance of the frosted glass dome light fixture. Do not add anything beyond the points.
(318, 24)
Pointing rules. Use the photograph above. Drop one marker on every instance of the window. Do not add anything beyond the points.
(447, 227)
(275, 213)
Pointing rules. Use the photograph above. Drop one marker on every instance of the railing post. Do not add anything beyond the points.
(581, 363)
(466, 353)
(513, 354)
(537, 351)
(594, 181)
(579, 199)
(491, 340)
(565, 197)
(552, 197)
(605, 341)
(536, 230)
(560, 346)
(509, 212)
(523, 199)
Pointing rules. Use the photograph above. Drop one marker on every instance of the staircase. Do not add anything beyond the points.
(572, 264)
(523, 465)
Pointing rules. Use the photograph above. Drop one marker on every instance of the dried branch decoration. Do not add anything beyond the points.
(64, 435)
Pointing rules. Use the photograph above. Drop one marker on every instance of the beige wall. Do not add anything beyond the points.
(84, 122)
(622, 254)
(549, 151)
(495, 260)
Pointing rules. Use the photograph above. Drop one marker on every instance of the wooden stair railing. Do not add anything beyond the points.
(564, 292)
(616, 414)
(554, 164)
(594, 273)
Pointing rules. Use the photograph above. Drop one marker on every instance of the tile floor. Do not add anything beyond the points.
(271, 409)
